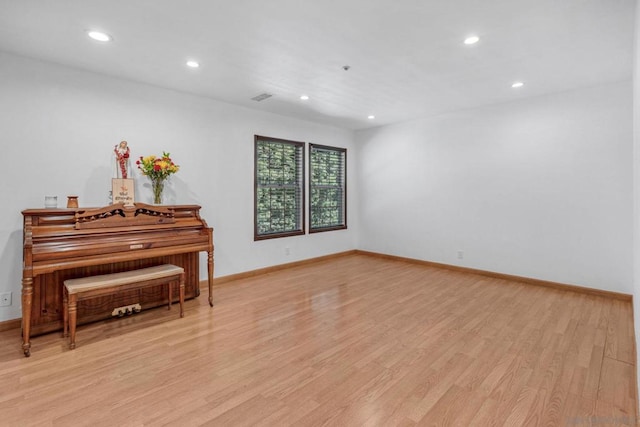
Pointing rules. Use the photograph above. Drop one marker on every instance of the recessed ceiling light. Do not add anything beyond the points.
(304, 97)
(371, 117)
(193, 64)
(472, 40)
(99, 36)
(516, 85)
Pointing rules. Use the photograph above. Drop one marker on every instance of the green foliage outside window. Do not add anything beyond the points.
(279, 198)
(327, 184)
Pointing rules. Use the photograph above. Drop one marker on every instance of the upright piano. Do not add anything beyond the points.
(62, 244)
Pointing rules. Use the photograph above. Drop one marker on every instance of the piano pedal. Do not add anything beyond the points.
(126, 310)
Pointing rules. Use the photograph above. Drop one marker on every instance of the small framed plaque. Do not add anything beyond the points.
(123, 191)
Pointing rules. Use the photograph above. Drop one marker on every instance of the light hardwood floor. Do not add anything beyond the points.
(351, 341)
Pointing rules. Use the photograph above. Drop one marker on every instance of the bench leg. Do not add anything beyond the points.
(73, 317)
(182, 295)
(170, 286)
(65, 312)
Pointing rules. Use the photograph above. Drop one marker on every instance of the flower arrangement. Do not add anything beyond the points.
(157, 169)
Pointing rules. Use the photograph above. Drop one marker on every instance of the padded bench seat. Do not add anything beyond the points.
(83, 288)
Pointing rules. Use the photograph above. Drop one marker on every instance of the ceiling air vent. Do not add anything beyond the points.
(262, 97)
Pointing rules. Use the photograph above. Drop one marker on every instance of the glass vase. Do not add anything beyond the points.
(157, 185)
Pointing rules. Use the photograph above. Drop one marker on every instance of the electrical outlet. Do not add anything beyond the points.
(460, 254)
(287, 251)
(5, 299)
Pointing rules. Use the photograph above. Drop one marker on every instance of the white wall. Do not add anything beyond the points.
(540, 188)
(58, 127)
(636, 187)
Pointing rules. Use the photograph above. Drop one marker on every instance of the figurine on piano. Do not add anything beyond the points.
(122, 157)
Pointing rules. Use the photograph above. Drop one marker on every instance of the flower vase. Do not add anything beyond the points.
(157, 185)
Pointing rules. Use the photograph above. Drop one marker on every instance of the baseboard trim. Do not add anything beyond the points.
(8, 325)
(635, 352)
(252, 273)
(528, 280)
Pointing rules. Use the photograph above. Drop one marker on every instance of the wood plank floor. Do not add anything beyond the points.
(351, 341)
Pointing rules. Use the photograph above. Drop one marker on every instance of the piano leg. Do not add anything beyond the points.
(27, 301)
(210, 271)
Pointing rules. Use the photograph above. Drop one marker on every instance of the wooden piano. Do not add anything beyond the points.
(62, 244)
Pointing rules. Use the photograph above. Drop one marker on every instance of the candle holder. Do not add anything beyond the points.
(72, 202)
(50, 201)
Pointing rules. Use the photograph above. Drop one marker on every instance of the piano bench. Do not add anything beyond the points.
(83, 288)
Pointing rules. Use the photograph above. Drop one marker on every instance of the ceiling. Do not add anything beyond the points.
(407, 57)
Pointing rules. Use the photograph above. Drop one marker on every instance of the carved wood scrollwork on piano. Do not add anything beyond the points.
(119, 215)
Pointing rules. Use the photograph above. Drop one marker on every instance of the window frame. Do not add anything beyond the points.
(301, 183)
(342, 226)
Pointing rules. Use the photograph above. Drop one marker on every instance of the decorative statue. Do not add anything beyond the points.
(122, 156)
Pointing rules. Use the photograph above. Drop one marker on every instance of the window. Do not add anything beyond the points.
(279, 190)
(327, 188)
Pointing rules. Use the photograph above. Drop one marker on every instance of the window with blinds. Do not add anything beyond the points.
(279, 189)
(327, 188)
